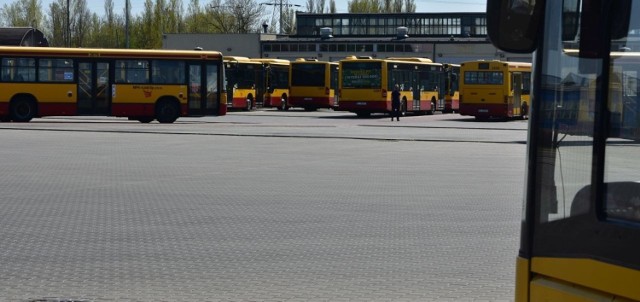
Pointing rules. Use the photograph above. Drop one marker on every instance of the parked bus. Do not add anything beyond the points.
(242, 74)
(451, 101)
(495, 89)
(580, 236)
(142, 85)
(313, 84)
(366, 85)
(273, 88)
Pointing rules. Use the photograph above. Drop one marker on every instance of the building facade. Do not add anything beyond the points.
(442, 37)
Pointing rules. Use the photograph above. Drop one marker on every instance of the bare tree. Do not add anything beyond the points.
(311, 6)
(410, 6)
(320, 6)
(332, 7)
(396, 7)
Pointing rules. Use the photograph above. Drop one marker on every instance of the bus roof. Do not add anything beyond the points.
(410, 59)
(237, 58)
(508, 63)
(22, 51)
(272, 61)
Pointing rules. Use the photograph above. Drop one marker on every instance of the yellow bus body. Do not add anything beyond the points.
(139, 84)
(242, 74)
(365, 85)
(313, 84)
(495, 89)
(274, 86)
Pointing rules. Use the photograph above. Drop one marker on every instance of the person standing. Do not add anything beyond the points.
(395, 103)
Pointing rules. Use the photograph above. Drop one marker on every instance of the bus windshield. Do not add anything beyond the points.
(242, 75)
(362, 75)
(308, 74)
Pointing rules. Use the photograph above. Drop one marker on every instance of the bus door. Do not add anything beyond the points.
(94, 88)
(516, 81)
(333, 84)
(203, 89)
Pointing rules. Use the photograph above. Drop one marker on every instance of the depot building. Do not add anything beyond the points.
(441, 37)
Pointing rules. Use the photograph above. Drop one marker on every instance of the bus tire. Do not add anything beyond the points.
(145, 120)
(363, 114)
(167, 111)
(22, 109)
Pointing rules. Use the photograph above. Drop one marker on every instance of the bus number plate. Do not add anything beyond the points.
(361, 103)
(483, 110)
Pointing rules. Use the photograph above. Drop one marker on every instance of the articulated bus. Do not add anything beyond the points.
(580, 235)
(312, 84)
(242, 74)
(143, 85)
(451, 101)
(495, 89)
(273, 87)
(366, 85)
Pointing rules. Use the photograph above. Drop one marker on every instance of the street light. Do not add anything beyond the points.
(281, 5)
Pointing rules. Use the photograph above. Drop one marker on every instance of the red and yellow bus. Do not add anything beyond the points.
(451, 101)
(273, 85)
(313, 84)
(143, 85)
(242, 74)
(366, 84)
(495, 89)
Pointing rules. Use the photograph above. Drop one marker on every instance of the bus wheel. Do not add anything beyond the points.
(23, 109)
(167, 111)
(145, 120)
(363, 114)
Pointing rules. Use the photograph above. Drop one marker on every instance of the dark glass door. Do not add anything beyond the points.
(204, 92)
(94, 88)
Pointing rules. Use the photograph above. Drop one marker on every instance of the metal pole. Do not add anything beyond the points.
(68, 31)
(281, 17)
(126, 23)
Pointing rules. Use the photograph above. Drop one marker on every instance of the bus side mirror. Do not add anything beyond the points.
(522, 19)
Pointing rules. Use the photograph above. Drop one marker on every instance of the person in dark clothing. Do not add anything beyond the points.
(395, 103)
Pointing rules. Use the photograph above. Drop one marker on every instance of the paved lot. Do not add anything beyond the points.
(260, 206)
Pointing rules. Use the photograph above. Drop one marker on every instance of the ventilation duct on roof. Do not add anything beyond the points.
(402, 32)
(326, 33)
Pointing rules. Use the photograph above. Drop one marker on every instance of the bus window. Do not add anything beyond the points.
(622, 197)
(55, 70)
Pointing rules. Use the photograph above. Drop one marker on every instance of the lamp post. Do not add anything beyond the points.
(280, 4)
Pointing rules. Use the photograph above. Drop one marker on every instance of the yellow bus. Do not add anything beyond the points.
(495, 89)
(313, 84)
(273, 86)
(580, 235)
(142, 85)
(451, 101)
(366, 84)
(241, 74)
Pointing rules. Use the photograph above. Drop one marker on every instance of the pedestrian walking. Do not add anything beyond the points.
(395, 103)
